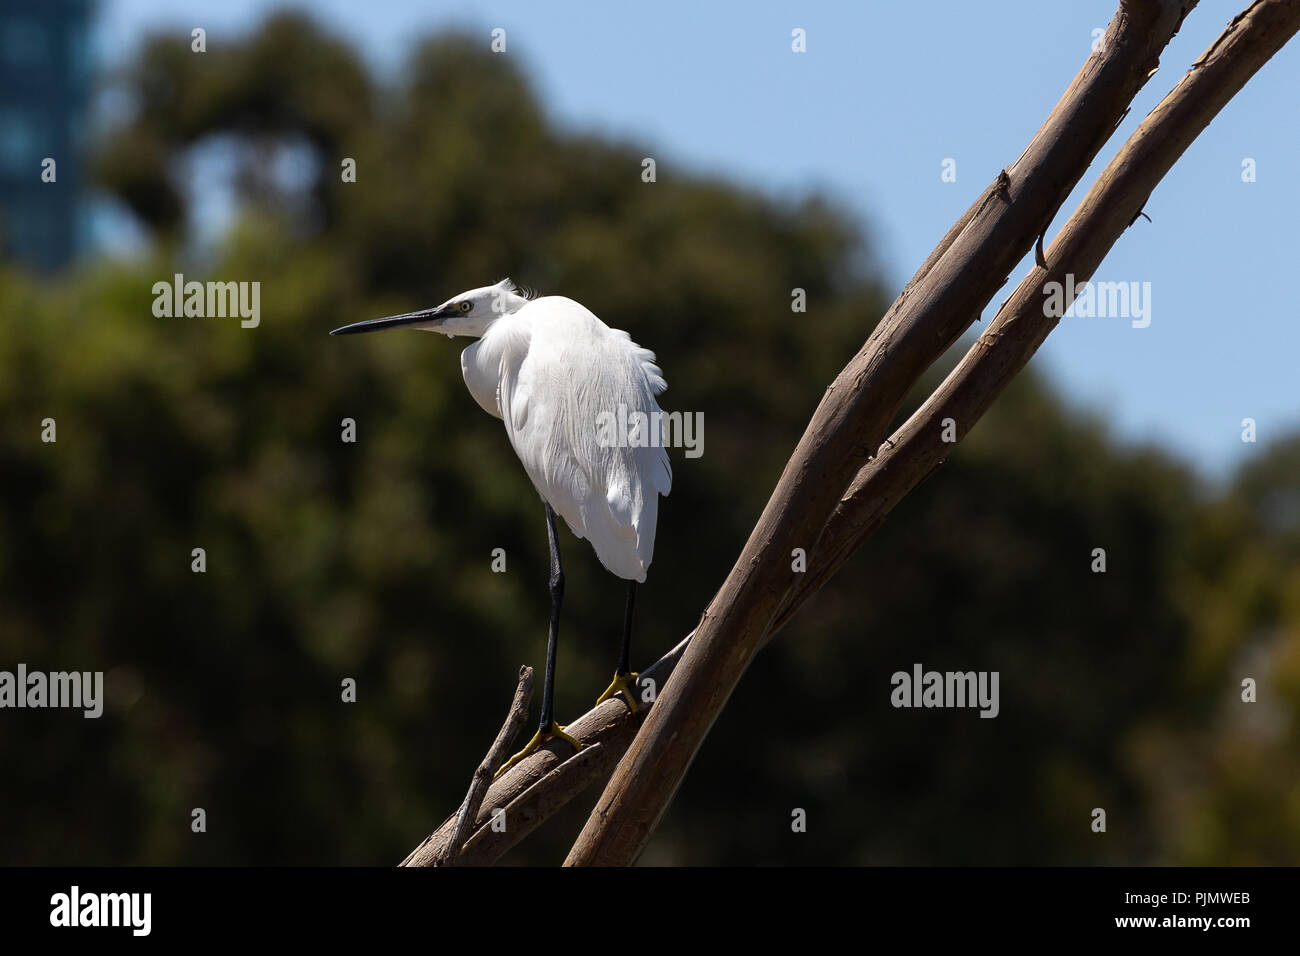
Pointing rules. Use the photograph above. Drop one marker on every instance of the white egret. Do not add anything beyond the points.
(556, 375)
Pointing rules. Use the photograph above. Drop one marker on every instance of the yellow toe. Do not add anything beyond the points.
(624, 684)
(539, 738)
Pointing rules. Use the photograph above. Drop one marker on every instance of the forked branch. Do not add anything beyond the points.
(852, 420)
(536, 788)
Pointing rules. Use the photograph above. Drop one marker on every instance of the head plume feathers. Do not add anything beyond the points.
(527, 292)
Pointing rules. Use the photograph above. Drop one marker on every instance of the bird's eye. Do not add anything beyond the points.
(464, 306)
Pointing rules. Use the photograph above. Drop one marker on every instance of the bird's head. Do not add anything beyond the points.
(469, 313)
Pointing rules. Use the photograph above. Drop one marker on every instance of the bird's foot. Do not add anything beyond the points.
(556, 732)
(624, 684)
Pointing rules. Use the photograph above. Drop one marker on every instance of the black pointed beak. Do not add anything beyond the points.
(424, 316)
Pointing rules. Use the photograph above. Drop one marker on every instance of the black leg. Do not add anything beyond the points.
(553, 634)
(624, 681)
(548, 728)
(625, 657)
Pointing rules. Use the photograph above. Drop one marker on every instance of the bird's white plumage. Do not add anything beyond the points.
(548, 370)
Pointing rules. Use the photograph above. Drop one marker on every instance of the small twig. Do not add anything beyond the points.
(496, 756)
(1003, 185)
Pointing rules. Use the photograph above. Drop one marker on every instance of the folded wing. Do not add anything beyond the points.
(580, 411)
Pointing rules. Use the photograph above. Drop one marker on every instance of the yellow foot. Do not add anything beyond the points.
(624, 684)
(555, 733)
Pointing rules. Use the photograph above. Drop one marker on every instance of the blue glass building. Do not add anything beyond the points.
(44, 93)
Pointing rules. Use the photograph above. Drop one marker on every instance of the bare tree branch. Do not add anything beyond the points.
(539, 786)
(852, 419)
(916, 450)
(482, 779)
(533, 789)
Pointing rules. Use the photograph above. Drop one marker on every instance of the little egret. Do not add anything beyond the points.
(556, 375)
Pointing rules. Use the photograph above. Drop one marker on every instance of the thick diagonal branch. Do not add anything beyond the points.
(852, 419)
(915, 450)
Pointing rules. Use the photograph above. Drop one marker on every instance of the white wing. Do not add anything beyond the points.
(559, 395)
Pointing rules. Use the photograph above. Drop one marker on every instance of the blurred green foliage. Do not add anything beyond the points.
(371, 560)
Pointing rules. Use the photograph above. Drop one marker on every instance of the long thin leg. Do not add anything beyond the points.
(624, 681)
(548, 728)
(553, 633)
(625, 658)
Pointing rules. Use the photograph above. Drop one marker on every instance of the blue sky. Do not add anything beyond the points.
(884, 94)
